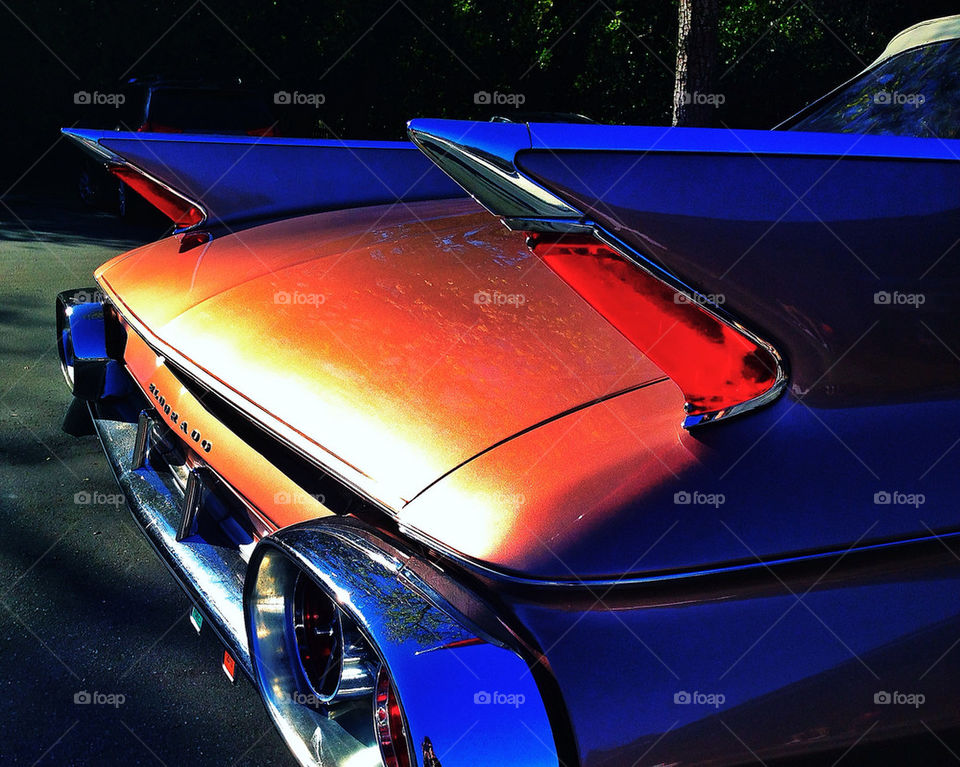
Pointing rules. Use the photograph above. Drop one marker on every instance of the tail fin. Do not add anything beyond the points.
(821, 243)
(196, 179)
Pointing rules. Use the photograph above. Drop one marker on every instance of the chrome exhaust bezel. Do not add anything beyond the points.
(440, 660)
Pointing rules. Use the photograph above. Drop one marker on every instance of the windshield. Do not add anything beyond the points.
(915, 93)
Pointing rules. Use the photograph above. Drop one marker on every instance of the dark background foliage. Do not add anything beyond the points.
(380, 63)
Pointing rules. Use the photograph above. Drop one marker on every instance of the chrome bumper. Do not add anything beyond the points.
(212, 575)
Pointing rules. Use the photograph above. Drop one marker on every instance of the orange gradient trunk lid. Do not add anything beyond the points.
(404, 339)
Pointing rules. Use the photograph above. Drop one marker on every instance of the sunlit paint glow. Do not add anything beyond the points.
(256, 480)
(525, 504)
(464, 515)
(339, 416)
(392, 368)
(400, 373)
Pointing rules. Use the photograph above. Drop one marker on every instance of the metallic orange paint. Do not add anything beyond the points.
(276, 501)
(399, 340)
(525, 506)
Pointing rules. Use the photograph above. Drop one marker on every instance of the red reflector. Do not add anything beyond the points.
(388, 721)
(178, 209)
(265, 132)
(191, 240)
(715, 365)
(229, 665)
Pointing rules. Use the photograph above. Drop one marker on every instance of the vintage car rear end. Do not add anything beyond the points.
(660, 472)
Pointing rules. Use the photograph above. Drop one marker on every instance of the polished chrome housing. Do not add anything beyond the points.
(81, 341)
(444, 667)
(88, 336)
(349, 670)
(305, 716)
(192, 499)
(357, 663)
(141, 443)
(491, 177)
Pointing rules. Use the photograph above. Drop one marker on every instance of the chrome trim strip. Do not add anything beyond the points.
(590, 583)
(142, 442)
(192, 499)
(656, 271)
(212, 576)
(490, 177)
(487, 169)
(162, 511)
(550, 225)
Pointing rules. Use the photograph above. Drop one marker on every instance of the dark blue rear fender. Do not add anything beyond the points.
(778, 664)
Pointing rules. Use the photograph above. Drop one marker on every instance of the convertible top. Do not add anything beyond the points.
(931, 31)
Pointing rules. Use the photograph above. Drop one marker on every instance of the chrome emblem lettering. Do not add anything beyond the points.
(179, 421)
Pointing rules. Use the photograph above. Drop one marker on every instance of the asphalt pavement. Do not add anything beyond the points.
(99, 664)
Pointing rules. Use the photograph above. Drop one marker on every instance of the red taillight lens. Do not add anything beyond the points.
(268, 132)
(178, 209)
(388, 721)
(715, 365)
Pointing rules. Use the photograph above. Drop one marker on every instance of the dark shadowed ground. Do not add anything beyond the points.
(84, 603)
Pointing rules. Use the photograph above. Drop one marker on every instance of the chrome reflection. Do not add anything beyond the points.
(481, 158)
(334, 658)
(209, 574)
(87, 330)
(397, 616)
(317, 731)
(656, 271)
(488, 175)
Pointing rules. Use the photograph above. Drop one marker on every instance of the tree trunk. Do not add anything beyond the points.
(695, 101)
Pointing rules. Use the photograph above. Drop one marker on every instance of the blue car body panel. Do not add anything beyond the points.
(810, 239)
(705, 676)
